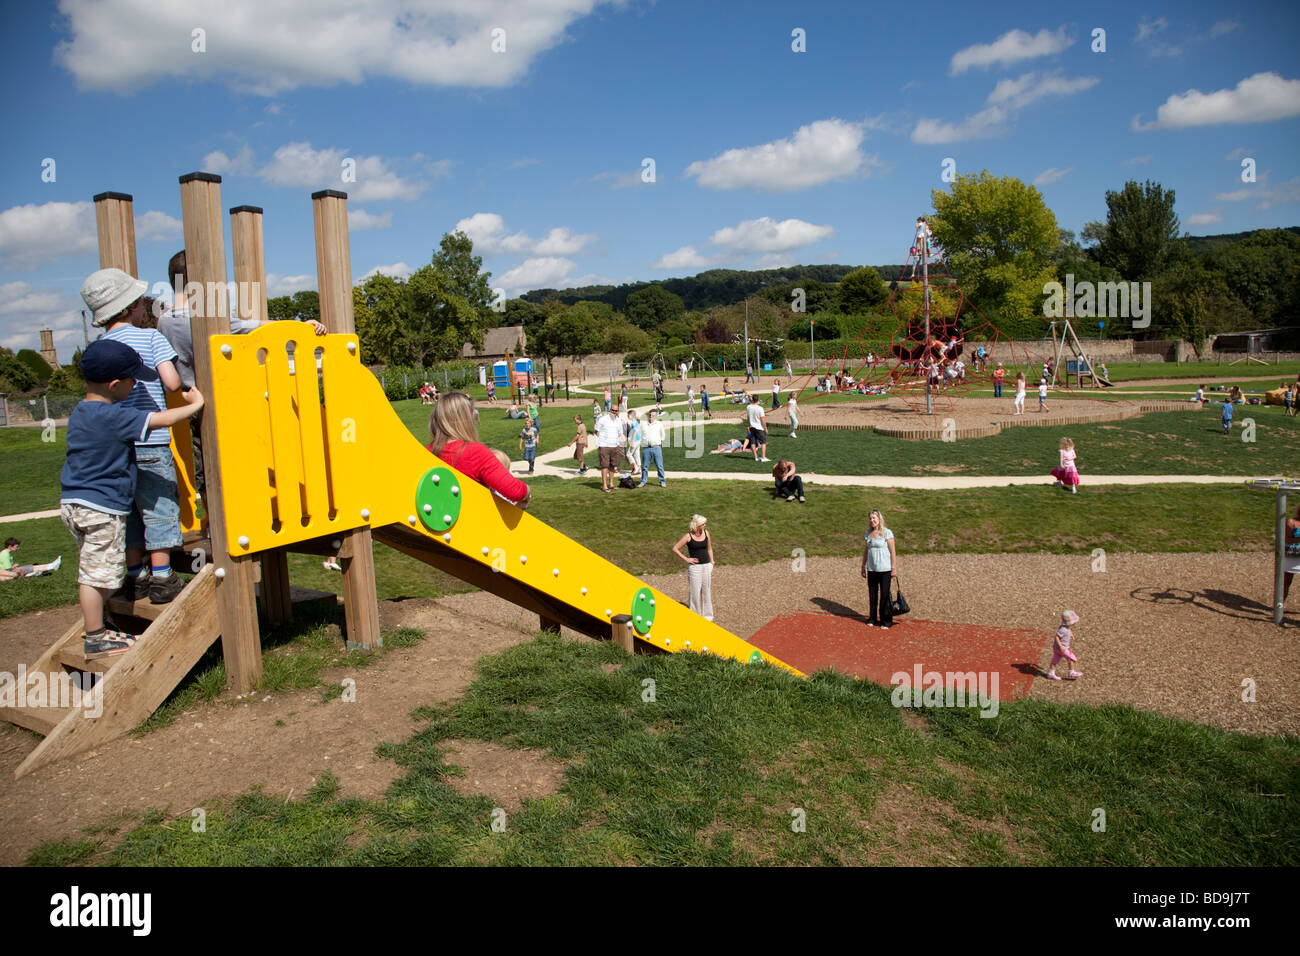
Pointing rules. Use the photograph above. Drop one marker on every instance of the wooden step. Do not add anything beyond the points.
(141, 609)
(74, 655)
(40, 719)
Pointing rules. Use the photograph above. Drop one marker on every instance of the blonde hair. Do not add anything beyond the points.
(1067, 443)
(453, 420)
(698, 522)
(501, 457)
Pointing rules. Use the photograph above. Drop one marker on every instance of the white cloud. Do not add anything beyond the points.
(522, 162)
(1203, 219)
(1260, 98)
(490, 236)
(277, 284)
(398, 270)
(618, 180)
(267, 48)
(1239, 151)
(1031, 87)
(1051, 175)
(684, 258)
(561, 241)
(25, 310)
(1238, 195)
(154, 225)
(441, 169)
(817, 153)
(775, 260)
(546, 272)
(299, 165)
(1140, 160)
(1011, 47)
(1264, 195)
(359, 219)
(221, 164)
(982, 125)
(1149, 28)
(1224, 26)
(768, 235)
(33, 234)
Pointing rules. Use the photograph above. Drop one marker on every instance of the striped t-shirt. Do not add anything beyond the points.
(153, 349)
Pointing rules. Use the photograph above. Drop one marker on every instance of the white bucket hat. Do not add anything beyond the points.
(109, 291)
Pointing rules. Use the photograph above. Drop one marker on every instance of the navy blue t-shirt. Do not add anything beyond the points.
(100, 469)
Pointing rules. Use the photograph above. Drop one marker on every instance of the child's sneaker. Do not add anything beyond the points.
(1051, 675)
(165, 590)
(110, 645)
(1074, 675)
(132, 588)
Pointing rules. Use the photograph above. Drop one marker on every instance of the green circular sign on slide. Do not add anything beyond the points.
(756, 658)
(437, 499)
(643, 610)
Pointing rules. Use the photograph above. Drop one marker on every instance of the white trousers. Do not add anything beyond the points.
(700, 578)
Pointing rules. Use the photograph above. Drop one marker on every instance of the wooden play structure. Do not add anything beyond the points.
(302, 452)
(1077, 364)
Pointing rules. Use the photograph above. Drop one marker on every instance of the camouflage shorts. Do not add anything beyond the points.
(101, 542)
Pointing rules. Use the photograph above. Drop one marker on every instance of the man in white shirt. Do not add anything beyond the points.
(685, 368)
(609, 442)
(652, 439)
(757, 428)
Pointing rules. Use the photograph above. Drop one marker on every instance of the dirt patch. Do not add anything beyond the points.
(918, 830)
(502, 774)
(915, 721)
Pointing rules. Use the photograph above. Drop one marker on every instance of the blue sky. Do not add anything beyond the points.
(762, 155)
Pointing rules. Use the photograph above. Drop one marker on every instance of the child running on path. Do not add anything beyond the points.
(1061, 647)
(1067, 472)
(792, 407)
(1042, 396)
(1019, 405)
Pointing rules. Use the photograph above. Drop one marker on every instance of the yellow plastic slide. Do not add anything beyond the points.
(310, 446)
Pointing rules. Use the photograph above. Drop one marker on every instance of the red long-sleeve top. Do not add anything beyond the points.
(475, 461)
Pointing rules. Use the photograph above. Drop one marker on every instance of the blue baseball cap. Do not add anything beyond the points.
(108, 359)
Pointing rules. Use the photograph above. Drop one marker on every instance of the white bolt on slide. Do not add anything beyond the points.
(447, 537)
(428, 509)
(688, 643)
(365, 514)
(584, 590)
(555, 572)
(411, 519)
(608, 612)
(352, 347)
(455, 489)
(667, 640)
(523, 559)
(220, 572)
(486, 552)
(243, 541)
(437, 479)
(227, 351)
(652, 602)
(266, 394)
(706, 650)
(446, 519)
(638, 617)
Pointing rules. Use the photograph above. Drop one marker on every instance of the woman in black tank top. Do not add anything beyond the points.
(699, 566)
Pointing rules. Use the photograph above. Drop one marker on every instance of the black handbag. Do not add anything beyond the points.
(899, 604)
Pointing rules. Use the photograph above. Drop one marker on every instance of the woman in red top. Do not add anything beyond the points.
(455, 441)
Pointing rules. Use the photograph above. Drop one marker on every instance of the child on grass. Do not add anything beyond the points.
(528, 445)
(1061, 647)
(1067, 472)
(9, 570)
(1227, 417)
(99, 476)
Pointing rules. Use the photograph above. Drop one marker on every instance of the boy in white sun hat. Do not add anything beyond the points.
(154, 523)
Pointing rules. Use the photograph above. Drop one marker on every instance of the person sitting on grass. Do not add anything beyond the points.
(788, 483)
(455, 441)
(98, 480)
(1199, 397)
(9, 570)
(514, 411)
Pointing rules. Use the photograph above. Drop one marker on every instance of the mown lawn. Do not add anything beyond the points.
(692, 760)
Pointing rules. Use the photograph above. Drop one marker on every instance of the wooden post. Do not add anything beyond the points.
(250, 305)
(205, 255)
(115, 229)
(620, 632)
(334, 284)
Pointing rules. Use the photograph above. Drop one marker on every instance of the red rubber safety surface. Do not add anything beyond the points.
(813, 642)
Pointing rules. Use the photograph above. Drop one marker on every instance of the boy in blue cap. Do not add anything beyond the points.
(98, 478)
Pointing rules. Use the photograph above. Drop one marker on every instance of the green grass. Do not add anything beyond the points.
(709, 772)
(1173, 443)
(29, 480)
(635, 529)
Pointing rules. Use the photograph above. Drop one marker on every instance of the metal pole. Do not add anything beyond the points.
(1279, 555)
(925, 287)
(812, 341)
(85, 329)
(566, 384)
(45, 406)
(746, 331)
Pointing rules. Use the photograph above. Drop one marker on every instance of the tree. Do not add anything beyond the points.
(715, 331)
(573, 333)
(827, 327)
(623, 336)
(382, 327)
(1257, 270)
(527, 314)
(14, 375)
(999, 236)
(439, 321)
(860, 291)
(651, 307)
(1141, 229)
(1191, 302)
(463, 274)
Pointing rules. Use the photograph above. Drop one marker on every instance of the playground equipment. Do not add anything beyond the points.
(309, 456)
(1078, 365)
(1279, 487)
